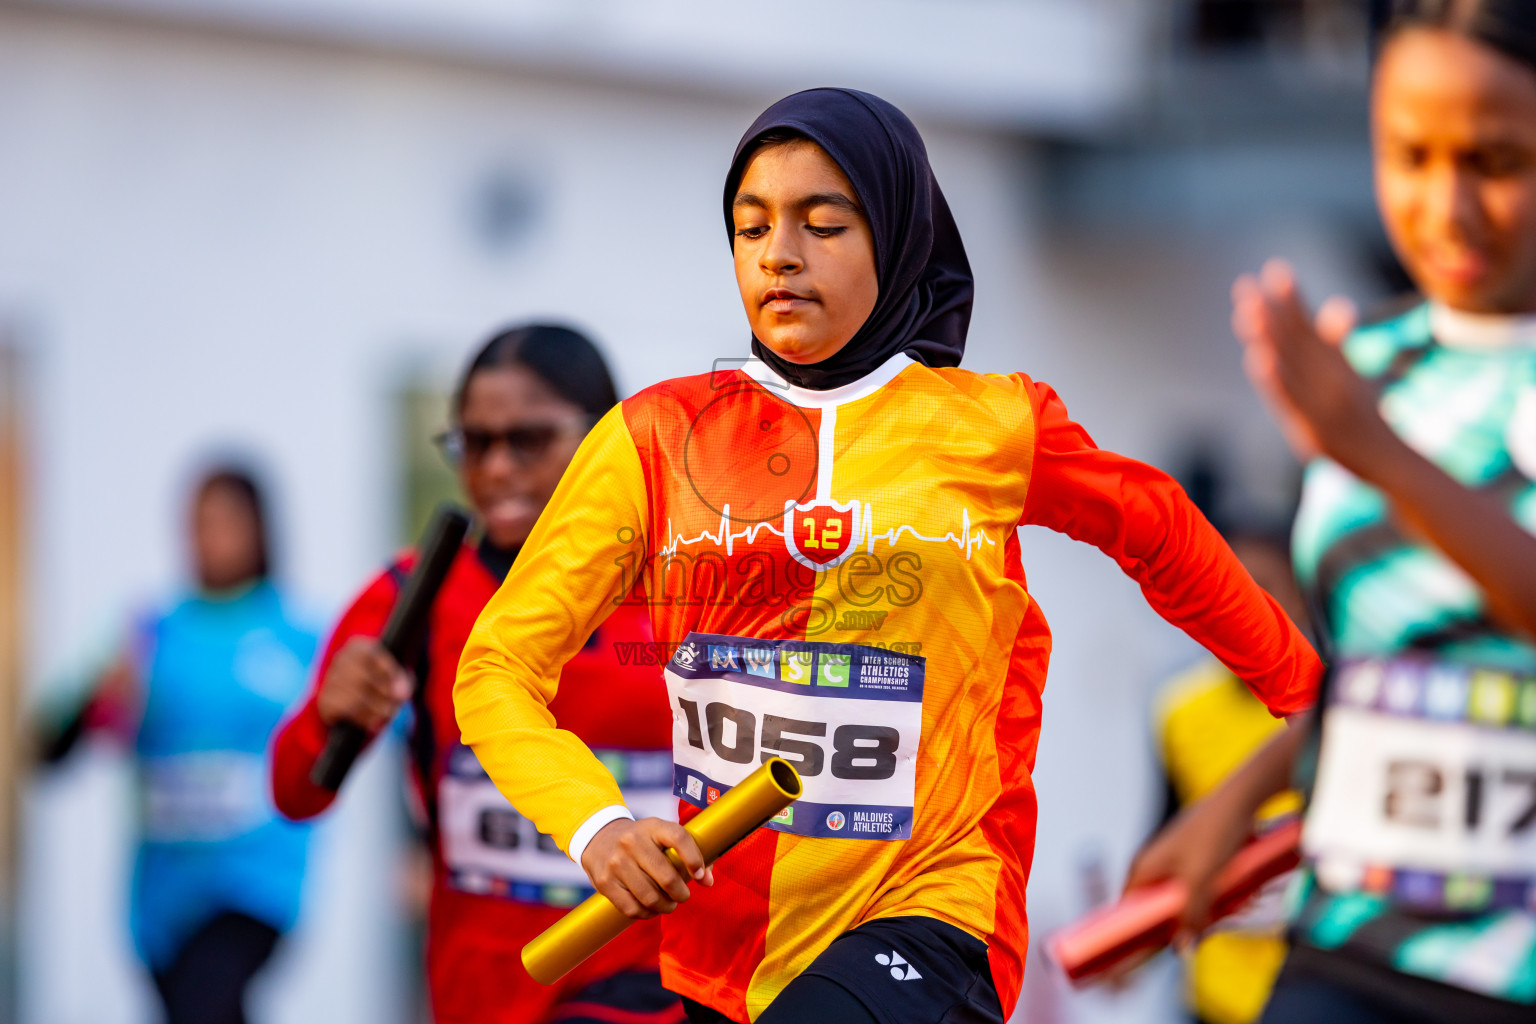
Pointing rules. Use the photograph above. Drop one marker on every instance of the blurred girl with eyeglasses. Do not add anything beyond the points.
(525, 402)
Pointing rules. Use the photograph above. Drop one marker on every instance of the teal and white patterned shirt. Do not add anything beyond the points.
(1461, 390)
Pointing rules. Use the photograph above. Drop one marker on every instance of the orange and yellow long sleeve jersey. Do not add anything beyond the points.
(835, 577)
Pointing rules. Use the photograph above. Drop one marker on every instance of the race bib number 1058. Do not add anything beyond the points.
(848, 717)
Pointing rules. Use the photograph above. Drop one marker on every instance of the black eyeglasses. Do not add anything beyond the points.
(528, 442)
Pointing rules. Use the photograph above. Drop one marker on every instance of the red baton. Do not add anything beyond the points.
(1110, 941)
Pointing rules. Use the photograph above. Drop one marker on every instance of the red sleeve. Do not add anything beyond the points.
(300, 741)
(1141, 517)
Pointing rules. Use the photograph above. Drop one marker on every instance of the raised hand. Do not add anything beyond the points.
(1294, 361)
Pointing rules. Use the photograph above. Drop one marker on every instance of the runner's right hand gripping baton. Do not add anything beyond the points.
(403, 633)
(718, 827)
(1111, 941)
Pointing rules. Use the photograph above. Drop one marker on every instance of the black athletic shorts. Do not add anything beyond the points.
(897, 970)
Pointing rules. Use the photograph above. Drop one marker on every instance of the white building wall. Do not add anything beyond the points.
(211, 240)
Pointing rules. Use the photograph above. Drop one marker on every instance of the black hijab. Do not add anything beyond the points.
(924, 305)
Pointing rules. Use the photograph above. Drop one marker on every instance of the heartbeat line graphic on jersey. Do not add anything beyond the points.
(723, 536)
(965, 540)
(819, 533)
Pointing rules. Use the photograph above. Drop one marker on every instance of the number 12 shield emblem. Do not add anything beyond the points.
(822, 533)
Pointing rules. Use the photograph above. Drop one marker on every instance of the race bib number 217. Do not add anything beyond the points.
(1426, 787)
(847, 716)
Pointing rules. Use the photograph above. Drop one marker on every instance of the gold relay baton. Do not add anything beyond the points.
(730, 819)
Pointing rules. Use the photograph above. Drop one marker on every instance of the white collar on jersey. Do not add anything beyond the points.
(1480, 331)
(807, 398)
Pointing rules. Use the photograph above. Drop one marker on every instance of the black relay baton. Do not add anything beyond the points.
(403, 633)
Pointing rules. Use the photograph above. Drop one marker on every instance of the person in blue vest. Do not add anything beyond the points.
(196, 694)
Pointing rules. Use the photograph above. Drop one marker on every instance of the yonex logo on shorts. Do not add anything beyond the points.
(896, 963)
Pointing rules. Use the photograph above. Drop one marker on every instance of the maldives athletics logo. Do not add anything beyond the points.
(821, 533)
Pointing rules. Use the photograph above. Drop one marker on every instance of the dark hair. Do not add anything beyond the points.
(775, 137)
(564, 359)
(241, 483)
(1508, 26)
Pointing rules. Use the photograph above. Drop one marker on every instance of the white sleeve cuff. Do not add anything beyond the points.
(592, 825)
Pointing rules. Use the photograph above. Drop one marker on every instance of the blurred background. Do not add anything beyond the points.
(275, 228)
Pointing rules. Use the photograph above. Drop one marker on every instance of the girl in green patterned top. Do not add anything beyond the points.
(1415, 539)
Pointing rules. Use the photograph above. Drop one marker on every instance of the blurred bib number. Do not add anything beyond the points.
(1426, 786)
(491, 850)
(203, 796)
(847, 716)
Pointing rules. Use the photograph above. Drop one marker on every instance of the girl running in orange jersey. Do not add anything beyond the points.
(826, 538)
